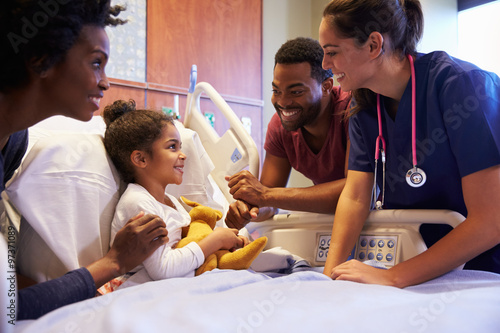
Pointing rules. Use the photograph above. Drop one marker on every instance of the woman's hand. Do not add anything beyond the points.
(134, 243)
(137, 240)
(356, 271)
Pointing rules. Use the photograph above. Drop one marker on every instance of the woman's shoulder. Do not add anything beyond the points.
(440, 63)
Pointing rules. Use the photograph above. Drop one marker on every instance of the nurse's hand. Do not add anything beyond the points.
(356, 271)
(239, 214)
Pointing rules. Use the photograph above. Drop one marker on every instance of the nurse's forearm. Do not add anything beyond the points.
(320, 198)
(349, 219)
(447, 254)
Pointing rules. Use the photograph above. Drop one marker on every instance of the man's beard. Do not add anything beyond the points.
(306, 116)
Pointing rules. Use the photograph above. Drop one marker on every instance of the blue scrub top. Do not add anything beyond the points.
(11, 156)
(458, 133)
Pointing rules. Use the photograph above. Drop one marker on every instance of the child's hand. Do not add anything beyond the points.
(228, 238)
(222, 239)
(245, 240)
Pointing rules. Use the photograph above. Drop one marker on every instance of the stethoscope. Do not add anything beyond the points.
(415, 177)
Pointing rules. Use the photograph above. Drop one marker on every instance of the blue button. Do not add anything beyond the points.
(322, 242)
(371, 255)
(321, 254)
(372, 243)
(361, 255)
(389, 257)
(390, 244)
(381, 243)
(363, 242)
(380, 257)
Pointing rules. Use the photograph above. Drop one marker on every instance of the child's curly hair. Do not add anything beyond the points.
(128, 129)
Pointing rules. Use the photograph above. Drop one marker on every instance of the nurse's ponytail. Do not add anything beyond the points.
(401, 21)
(414, 27)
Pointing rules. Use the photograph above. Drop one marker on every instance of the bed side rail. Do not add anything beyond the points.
(235, 150)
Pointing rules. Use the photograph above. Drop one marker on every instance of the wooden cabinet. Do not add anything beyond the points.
(222, 37)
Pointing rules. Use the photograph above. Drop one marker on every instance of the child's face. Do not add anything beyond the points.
(167, 160)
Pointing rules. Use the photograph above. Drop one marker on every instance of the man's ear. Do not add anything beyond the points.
(139, 159)
(376, 44)
(326, 86)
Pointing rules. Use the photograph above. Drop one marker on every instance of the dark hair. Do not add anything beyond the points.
(301, 49)
(402, 21)
(128, 129)
(38, 34)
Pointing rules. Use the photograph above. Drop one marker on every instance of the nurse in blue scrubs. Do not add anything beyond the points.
(433, 119)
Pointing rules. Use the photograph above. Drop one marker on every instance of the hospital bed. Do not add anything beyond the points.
(62, 199)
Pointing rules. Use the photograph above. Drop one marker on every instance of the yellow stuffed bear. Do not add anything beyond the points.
(203, 221)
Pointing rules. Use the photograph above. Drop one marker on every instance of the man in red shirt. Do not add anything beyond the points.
(308, 132)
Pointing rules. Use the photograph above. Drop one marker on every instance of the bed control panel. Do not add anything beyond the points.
(388, 237)
(322, 247)
(379, 248)
(382, 248)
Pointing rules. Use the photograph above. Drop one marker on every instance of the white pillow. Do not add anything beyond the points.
(66, 191)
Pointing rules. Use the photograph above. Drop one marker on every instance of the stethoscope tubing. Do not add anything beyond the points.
(415, 177)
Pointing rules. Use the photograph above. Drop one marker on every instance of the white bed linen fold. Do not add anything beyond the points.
(243, 301)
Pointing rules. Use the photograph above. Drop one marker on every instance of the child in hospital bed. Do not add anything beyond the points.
(145, 147)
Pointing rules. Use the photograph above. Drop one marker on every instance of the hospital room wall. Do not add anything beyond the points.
(287, 19)
(223, 38)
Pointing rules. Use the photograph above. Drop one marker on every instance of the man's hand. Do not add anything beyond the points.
(239, 214)
(246, 187)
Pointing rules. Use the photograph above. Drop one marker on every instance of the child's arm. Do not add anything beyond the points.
(221, 239)
(168, 262)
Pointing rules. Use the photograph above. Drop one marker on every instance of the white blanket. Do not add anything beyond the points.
(243, 301)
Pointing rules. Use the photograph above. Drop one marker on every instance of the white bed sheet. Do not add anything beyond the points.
(244, 301)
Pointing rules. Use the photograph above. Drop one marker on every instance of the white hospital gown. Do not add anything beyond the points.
(166, 261)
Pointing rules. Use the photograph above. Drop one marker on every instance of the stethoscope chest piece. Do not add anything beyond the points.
(415, 177)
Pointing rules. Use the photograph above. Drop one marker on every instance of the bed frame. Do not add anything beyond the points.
(232, 152)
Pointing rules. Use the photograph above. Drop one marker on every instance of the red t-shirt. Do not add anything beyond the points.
(325, 166)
